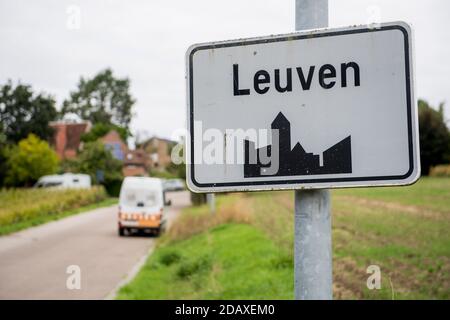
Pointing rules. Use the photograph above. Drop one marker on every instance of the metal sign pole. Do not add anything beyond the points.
(312, 249)
(211, 199)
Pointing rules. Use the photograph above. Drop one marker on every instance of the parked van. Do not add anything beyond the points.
(141, 205)
(66, 180)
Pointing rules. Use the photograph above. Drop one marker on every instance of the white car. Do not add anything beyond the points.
(141, 205)
(173, 185)
(66, 180)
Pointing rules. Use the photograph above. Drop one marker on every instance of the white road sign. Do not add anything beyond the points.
(319, 109)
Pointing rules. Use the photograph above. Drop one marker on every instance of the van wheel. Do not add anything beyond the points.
(121, 232)
(157, 232)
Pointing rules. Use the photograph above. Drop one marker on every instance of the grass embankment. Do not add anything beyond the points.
(23, 208)
(245, 250)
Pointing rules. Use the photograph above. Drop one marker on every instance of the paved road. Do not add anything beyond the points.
(33, 262)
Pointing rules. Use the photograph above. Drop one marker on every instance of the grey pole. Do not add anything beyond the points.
(312, 249)
(211, 199)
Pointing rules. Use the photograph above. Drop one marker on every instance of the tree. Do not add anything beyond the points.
(22, 112)
(434, 137)
(103, 99)
(3, 155)
(100, 129)
(97, 161)
(31, 159)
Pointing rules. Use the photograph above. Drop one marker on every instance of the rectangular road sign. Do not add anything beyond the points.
(318, 109)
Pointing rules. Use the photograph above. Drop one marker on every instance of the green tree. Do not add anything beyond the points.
(434, 137)
(97, 161)
(100, 129)
(3, 155)
(102, 99)
(22, 112)
(178, 170)
(31, 159)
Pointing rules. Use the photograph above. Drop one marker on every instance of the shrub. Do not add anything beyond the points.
(30, 160)
(112, 186)
(169, 257)
(163, 174)
(191, 267)
(442, 170)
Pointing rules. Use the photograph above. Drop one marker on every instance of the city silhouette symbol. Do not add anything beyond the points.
(296, 161)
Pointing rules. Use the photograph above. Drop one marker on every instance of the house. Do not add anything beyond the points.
(158, 150)
(114, 142)
(136, 163)
(294, 161)
(66, 139)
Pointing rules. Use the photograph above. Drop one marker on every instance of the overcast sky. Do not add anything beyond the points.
(50, 44)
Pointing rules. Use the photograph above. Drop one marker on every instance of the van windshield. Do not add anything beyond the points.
(140, 198)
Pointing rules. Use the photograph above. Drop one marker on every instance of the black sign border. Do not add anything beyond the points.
(300, 37)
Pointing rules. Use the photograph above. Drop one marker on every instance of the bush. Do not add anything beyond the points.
(30, 160)
(191, 267)
(170, 257)
(4, 148)
(178, 170)
(440, 171)
(161, 174)
(112, 186)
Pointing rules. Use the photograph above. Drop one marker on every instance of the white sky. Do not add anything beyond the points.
(146, 41)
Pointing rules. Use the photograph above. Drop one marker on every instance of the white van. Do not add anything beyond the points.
(66, 180)
(141, 205)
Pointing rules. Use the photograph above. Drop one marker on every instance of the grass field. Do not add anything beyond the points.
(23, 208)
(245, 250)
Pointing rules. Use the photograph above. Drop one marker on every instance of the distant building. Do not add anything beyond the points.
(66, 139)
(158, 150)
(136, 163)
(115, 144)
(296, 161)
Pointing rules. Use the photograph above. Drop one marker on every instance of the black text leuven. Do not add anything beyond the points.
(284, 81)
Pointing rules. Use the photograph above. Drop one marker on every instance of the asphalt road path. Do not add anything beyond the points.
(34, 262)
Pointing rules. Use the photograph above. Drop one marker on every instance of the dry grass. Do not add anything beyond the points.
(442, 170)
(198, 221)
(394, 207)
